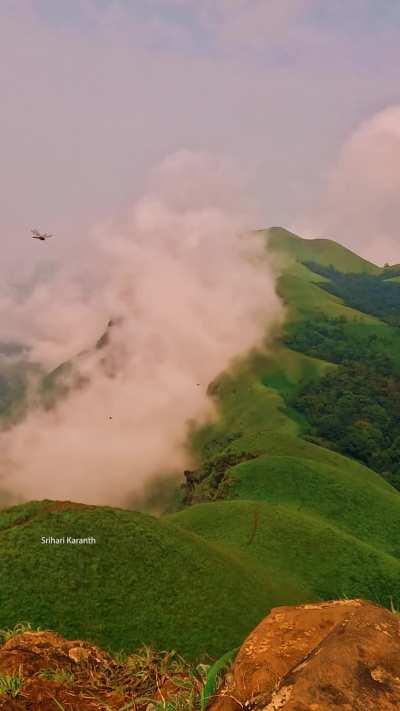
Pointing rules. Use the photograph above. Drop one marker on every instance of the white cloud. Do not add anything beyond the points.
(361, 204)
(191, 292)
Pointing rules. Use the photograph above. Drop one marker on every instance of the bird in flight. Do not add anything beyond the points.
(40, 235)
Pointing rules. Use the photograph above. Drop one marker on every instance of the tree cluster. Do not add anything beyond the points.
(355, 408)
(372, 294)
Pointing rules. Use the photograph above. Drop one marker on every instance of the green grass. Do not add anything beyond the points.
(215, 675)
(144, 581)
(291, 540)
(11, 684)
(249, 400)
(327, 491)
(323, 251)
(284, 445)
(297, 507)
(300, 290)
(19, 628)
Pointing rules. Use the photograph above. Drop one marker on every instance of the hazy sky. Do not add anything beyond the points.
(148, 135)
(95, 93)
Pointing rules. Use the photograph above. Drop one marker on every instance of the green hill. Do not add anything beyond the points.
(305, 492)
(324, 251)
(287, 537)
(144, 581)
(278, 508)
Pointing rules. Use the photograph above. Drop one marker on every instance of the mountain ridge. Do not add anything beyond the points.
(281, 515)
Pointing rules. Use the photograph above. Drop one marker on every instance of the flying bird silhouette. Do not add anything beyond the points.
(40, 235)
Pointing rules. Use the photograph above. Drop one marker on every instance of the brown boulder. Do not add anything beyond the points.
(342, 655)
(35, 651)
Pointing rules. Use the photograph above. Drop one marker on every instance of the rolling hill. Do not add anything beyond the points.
(316, 512)
(274, 513)
(144, 581)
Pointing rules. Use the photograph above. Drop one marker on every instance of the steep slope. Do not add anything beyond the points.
(292, 503)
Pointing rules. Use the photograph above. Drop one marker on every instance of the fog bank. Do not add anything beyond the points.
(188, 289)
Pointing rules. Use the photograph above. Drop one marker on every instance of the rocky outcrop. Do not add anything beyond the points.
(204, 484)
(342, 655)
(54, 673)
(334, 656)
(37, 651)
(42, 671)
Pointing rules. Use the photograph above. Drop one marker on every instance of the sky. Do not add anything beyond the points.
(300, 96)
(150, 136)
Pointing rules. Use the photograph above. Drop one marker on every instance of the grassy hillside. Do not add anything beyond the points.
(323, 251)
(319, 513)
(145, 581)
(289, 537)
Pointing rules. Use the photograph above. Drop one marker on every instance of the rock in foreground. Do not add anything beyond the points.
(342, 655)
(42, 671)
